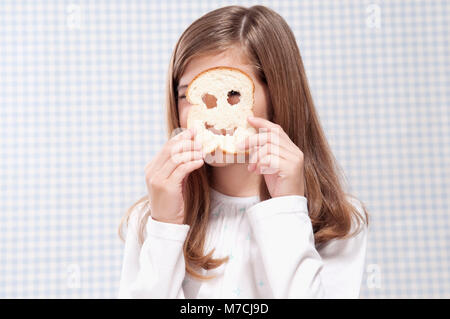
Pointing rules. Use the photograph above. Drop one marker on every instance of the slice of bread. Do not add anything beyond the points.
(222, 98)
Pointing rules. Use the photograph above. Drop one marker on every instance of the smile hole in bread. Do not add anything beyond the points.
(228, 131)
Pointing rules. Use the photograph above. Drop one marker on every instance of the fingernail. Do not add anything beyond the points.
(240, 145)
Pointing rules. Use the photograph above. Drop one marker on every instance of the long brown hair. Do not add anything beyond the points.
(270, 45)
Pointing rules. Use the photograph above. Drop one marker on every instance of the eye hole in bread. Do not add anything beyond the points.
(209, 100)
(233, 97)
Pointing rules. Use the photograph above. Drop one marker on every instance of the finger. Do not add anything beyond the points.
(262, 123)
(262, 138)
(269, 164)
(257, 154)
(259, 140)
(187, 134)
(260, 152)
(259, 122)
(181, 133)
(185, 145)
(165, 152)
(184, 169)
(269, 148)
(178, 159)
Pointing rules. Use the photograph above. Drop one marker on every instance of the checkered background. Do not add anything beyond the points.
(82, 112)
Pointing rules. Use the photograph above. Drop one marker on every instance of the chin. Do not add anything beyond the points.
(214, 164)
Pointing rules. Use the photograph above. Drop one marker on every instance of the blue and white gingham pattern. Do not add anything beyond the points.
(82, 112)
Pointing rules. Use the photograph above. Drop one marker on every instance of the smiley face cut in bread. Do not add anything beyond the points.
(222, 98)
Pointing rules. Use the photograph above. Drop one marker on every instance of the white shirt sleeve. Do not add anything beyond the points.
(295, 269)
(157, 268)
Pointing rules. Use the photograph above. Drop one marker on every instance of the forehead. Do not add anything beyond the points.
(231, 57)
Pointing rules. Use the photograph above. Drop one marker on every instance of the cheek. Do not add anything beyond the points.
(183, 110)
(261, 105)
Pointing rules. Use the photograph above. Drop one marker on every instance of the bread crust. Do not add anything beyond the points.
(187, 94)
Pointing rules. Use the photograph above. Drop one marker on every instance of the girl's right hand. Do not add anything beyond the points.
(165, 173)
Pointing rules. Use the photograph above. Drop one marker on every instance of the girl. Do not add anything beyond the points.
(237, 230)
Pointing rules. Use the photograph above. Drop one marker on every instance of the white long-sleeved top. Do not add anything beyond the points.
(271, 248)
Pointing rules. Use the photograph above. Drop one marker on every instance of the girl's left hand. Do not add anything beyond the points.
(273, 154)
